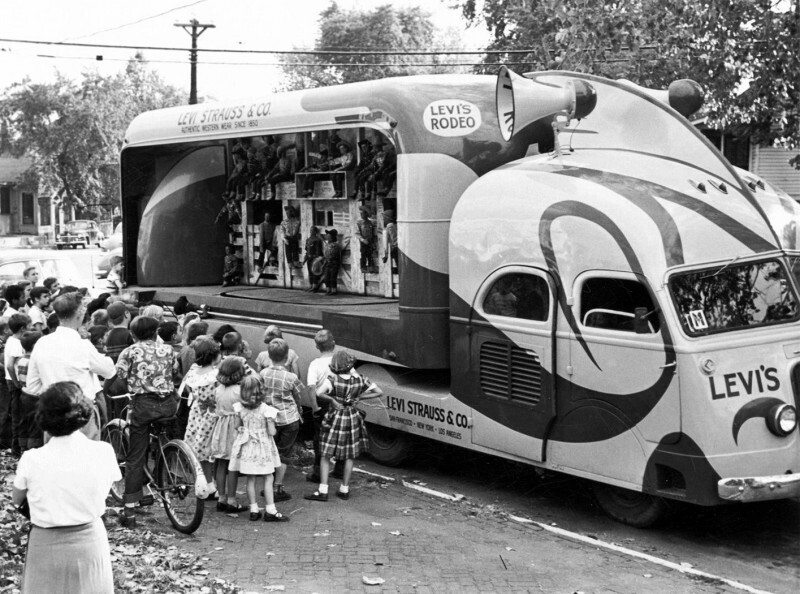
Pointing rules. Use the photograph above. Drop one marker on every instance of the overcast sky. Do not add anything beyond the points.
(240, 24)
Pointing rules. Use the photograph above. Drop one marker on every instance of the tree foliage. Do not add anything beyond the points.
(73, 131)
(382, 28)
(726, 45)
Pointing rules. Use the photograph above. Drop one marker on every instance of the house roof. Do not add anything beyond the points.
(11, 168)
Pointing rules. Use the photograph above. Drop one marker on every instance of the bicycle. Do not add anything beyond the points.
(172, 472)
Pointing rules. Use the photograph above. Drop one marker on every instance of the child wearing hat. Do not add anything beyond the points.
(383, 169)
(344, 434)
(364, 168)
(344, 162)
(332, 253)
(319, 163)
(314, 250)
(290, 230)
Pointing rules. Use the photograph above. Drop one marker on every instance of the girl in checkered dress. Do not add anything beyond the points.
(344, 434)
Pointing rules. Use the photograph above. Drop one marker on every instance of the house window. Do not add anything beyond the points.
(5, 199)
(44, 211)
(28, 209)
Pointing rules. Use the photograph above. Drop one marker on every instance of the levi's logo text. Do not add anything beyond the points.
(744, 383)
(221, 119)
(452, 117)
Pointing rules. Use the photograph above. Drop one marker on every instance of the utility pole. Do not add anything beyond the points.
(196, 31)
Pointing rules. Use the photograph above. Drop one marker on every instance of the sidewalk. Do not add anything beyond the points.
(415, 543)
(23, 241)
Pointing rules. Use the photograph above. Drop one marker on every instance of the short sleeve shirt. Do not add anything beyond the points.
(292, 361)
(37, 316)
(283, 390)
(67, 480)
(149, 368)
(13, 350)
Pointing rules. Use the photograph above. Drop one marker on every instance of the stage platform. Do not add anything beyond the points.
(266, 303)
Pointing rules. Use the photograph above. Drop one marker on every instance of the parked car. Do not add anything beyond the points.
(103, 264)
(80, 232)
(14, 262)
(114, 240)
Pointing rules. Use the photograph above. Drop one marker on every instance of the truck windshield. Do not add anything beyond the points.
(734, 296)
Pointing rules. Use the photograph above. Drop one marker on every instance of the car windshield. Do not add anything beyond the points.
(62, 269)
(79, 225)
(733, 297)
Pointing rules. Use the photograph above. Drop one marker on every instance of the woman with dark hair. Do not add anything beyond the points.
(68, 545)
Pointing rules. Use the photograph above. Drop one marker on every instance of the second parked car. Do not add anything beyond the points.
(79, 233)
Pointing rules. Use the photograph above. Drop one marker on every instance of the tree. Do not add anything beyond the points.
(383, 28)
(74, 131)
(726, 45)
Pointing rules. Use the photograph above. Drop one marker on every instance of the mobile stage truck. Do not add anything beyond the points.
(583, 283)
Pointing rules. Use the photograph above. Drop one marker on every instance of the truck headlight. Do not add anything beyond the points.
(782, 419)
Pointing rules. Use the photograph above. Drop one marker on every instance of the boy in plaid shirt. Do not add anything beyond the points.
(282, 391)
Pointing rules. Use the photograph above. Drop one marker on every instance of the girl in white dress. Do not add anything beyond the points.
(231, 371)
(254, 452)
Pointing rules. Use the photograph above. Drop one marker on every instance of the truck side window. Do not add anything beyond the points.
(610, 303)
(518, 295)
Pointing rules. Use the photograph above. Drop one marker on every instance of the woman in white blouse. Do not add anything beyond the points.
(66, 483)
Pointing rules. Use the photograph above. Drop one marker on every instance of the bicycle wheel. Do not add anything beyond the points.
(176, 483)
(118, 437)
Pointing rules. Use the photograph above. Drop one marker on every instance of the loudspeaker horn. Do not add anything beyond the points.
(520, 101)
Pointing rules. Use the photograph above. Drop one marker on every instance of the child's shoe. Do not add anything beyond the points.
(280, 495)
(276, 517)
(316, 496)
(343, 495)
(255, 516)
(127, 518)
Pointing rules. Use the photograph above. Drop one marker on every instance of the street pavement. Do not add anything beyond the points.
(415, 543)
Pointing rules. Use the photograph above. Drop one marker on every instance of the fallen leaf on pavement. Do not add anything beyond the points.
(372, 581)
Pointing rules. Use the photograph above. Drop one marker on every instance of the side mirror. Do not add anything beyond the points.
(640, 323)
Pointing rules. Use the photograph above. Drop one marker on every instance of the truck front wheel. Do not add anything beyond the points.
(630, 507)
(389, 447)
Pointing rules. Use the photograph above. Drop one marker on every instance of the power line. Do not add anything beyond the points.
(278, 64)
(348, 52)
(142, 20)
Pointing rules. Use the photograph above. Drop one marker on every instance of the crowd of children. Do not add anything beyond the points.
(238, 419)
(245, 420)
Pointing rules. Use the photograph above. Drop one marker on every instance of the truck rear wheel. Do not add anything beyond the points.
(629, 507)
(389, 447)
